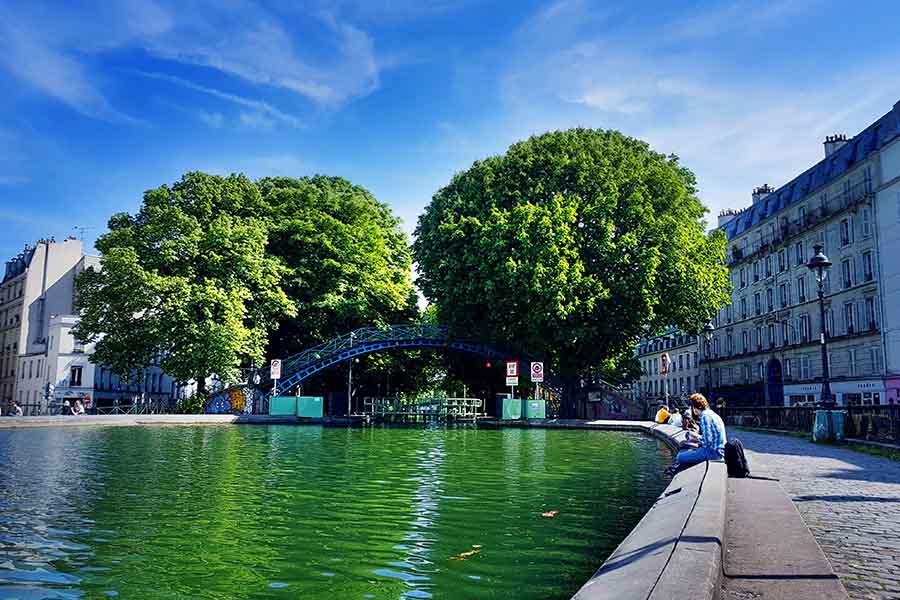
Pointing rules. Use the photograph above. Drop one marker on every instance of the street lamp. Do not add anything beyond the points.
(708, 335)
(819, 265)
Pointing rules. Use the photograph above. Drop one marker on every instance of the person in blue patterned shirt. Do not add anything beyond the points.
(712, 437)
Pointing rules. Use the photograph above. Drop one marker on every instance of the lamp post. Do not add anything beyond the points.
(708, 335)
(819, 265)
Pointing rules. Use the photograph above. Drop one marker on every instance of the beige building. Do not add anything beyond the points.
(766, 347)
(684, 375)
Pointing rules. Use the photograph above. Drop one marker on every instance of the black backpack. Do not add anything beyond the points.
(735, 460)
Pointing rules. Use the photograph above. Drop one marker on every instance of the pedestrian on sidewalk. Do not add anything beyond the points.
(712, 437)
(16, 410)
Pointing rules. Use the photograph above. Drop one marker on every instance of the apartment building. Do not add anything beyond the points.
(766, 346)
(36, 283)
(37, 308)
(684, 376)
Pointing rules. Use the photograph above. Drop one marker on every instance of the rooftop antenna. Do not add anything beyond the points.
(81, 229)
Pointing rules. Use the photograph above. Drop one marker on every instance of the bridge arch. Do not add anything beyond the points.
(366, 340)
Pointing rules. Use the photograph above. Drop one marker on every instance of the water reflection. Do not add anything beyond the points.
(279, 512)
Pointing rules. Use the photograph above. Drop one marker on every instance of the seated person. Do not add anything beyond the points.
(676, 419)
(662, 415)
(712, 437)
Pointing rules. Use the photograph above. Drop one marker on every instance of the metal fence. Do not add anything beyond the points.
(877, 423)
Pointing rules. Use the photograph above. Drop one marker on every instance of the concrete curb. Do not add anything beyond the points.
(675, 551)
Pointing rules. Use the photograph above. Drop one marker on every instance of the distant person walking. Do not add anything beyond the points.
(712, 437)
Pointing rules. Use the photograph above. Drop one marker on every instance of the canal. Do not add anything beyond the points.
(312, 512)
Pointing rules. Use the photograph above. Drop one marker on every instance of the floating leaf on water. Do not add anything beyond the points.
(465, 555)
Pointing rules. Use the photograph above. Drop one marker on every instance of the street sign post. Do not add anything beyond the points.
(512, 376)
(664, 371)
(537, 372)
(275, 372)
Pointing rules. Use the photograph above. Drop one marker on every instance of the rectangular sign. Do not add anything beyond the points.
(512, 380)
(512, 368)
(276, 369)
(537, 372)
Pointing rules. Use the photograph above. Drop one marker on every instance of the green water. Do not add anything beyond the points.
(311, 512)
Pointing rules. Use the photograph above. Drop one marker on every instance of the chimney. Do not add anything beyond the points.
(833, 143)
(727, 215)
(761, 192)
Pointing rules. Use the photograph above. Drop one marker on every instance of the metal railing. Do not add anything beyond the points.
(867, 422)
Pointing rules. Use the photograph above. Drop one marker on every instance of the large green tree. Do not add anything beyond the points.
(347, 262)
(570, 247)
(187, 279)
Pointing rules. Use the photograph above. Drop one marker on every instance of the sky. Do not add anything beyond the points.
(103, 100)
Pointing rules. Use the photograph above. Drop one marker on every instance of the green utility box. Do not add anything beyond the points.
(535, 409)
(283, 405)
(509, 409)
(310, 406)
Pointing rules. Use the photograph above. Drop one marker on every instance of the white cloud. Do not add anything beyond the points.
(258, 107)
(734, 128)
(322, 58)
(211, 119)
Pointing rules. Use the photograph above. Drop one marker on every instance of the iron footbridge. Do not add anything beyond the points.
(299, 367)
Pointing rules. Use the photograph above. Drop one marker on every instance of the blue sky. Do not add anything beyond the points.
(102, 100)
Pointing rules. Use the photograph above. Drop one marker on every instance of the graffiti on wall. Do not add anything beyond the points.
(233, 400)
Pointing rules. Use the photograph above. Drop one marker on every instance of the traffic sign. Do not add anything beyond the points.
(512, 368)
(276, 369)
(512, 380)
(537, 372)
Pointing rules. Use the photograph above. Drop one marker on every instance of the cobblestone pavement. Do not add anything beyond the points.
(850, 501)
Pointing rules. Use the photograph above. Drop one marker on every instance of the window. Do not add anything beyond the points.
(846, 232)
(680, 361)
(804, 367)
(743, 308)
(875, 360)
(848, 318)
(729, 344)
(716, 347)
(847, 273)
(770, 299)
(759, 340)
(743, 277)
(801, 216)
(867, 266)
(769, 266)
(782, 261)
(757, 304)
(785, 333)
(745, 339)
(870, 312)
(866, 222)
(852, 361)
(728, 313)
(829, 322)
(798, 251)
(804, 328)
(30, 369)
(801, 289)
(771, 335)
(756, 271)
(789, 368)
(783, 295)
(761, 371)
(75, 377)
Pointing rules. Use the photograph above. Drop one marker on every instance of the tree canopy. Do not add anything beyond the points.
(213, 270)
(186, 280)
(570, 247)
(347, 262)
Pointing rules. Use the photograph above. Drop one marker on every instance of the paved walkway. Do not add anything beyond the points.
(850, 501)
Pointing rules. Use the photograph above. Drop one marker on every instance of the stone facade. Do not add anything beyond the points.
(684, 375)
(766, 349)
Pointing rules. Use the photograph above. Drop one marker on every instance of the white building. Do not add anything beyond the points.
(887, 232)
(766, 348)
(48, 353)
(37, 283)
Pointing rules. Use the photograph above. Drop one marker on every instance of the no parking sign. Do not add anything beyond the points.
(537, 372)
